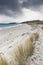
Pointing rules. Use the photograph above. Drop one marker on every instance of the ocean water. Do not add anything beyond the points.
(7, 25)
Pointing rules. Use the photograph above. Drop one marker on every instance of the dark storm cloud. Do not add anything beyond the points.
(29, 3)
(33, 4)
(9, 5)
(13, 7)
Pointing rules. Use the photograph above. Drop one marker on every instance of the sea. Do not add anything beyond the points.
(7, 25)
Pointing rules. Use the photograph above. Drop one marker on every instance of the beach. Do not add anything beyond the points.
(10, 36)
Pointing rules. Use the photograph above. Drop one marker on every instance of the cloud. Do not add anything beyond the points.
(9, 7)
(26, 16)
(14, 7)
(34, 3)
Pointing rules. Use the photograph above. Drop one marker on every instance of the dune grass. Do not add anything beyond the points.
(42, 27)
(23, 51)
(3, 60)
(34, 36)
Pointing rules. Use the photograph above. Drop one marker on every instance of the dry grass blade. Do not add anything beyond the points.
(3, 60)
(34, 36)
(24, 49)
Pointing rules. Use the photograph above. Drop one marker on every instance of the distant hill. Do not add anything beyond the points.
(33, 21)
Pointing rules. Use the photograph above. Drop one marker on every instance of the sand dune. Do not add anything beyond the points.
(21, 45)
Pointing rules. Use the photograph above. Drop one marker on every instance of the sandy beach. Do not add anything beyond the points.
(10, 36)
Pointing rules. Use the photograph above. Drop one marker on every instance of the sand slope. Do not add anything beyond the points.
(10, 38)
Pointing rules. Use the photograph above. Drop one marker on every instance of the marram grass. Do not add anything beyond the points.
(34, 36)
(23, 51)
(26, 49)
(3, 60)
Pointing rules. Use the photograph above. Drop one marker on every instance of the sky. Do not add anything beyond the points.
(20, 10)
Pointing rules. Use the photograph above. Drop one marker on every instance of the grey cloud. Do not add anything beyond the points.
(10, 4)
(6, 5)
(34, 3)
(13, 7)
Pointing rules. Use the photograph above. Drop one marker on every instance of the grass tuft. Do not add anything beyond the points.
(34, 36)
(24, 49)
(3, 60)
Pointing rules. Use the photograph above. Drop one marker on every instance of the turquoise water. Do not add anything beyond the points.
(6, 25)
